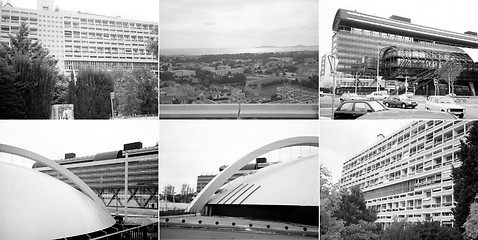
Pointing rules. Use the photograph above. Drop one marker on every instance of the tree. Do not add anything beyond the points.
(400, 230)
(449, 71)
(330, 227)
(92, 92)
(30, 75)
(136, 91)
(363, 230)
(471, 224)
(147, 91)
(465, 178)
(153, 46)
(352, 208)
(60, 90)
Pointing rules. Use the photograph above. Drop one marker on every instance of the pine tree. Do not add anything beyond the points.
(465, 178)
(352, 208)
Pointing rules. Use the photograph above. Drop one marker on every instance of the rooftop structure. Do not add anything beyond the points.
(407, 55)
(407, 175)
(105, 174)
(79, 39)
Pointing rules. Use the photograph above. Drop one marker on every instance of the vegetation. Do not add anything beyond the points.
(465, 178)
(91, 94)
(27, 78)
(448, 72)
(343, 216)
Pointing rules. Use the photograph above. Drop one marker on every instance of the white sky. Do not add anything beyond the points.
(53, 139)
(145, 10)
(457, 16)
(341, 140)
(237, 23)
(190, 148)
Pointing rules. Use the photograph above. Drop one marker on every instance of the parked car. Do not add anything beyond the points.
(380, 95)
(350, 97)
(444, 104)
(400, 101)
(408, 94)
(356, 108)
(321, 93)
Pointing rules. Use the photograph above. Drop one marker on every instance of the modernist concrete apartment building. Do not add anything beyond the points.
(407, 175)
(80, 39)
(407, 55)
(104, 173)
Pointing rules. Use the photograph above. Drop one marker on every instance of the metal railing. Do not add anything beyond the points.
(149, 231)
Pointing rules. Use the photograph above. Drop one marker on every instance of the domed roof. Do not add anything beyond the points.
(34, 205)
(293, 183)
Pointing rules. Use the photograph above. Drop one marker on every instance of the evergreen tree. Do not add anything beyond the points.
(92, 94)
(471, 224)
(465, 178)
(28, 77)
(352, 208)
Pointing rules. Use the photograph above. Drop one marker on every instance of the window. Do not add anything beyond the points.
(362, 107)
(347, 107)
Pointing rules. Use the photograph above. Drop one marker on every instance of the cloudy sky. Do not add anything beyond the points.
(237, 23)
(341, 140)
(191, 148)
(52, 138)
(146, 10)
(457, 16)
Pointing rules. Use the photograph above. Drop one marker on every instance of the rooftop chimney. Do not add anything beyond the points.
(403, 19)
(471, 33)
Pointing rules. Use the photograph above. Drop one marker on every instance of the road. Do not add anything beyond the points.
(325, 111)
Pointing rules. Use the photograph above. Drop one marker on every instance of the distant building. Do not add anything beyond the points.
(401, 50)
(104, 173)
(79, 39)
(184, 73)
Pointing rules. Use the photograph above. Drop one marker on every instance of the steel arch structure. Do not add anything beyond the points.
(201, 199)
(55, 166)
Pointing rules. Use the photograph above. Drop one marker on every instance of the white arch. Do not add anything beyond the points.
(201, 199)
(55, 166)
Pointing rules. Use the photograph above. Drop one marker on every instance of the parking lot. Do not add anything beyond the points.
(470, 103)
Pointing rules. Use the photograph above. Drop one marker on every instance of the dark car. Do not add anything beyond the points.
(400, 101)
(357, 108)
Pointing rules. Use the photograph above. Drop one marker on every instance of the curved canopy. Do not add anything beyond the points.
(268, 186)
(198, 203)
(34, 205)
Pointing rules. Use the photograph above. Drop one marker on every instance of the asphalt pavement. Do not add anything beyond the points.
(470, 103)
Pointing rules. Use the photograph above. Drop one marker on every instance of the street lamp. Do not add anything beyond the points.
(112, 96)
(333, 61)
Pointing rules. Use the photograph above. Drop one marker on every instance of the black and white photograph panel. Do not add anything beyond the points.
(79, 179)
(398, 179)
(256, 57)
(398, 62)
(242, 179)
(88, 59)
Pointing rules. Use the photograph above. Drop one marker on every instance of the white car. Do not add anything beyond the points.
(380, 95)
(445, 104)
